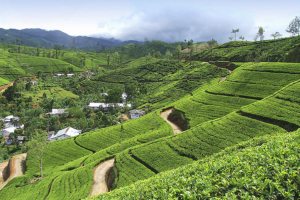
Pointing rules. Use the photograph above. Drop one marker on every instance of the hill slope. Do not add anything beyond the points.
(281, 50)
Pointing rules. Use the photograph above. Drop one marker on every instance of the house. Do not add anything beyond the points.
(97, 106)
(134, 114)
(10, 119)
(34, 82)
(70, 75)
(65, 133)
(104, 94)
(56, 112)
(7, 131)
(124, 97)
(21, 139)
(106, 106)
(58, 75)
(123, 105)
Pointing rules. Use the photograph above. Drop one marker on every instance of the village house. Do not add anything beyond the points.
(70, 75)
(57, 112)
(134, 114)
(59, 75)
(11, 124)
(21, 139)
(124, 97)
(97, 106)
(34, 82)
(106, 106)
(65, 133)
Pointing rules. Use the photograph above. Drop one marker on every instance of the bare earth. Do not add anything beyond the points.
(164, 115)
(224, 78)
(4, 87)
(15, 167)
(100, 177)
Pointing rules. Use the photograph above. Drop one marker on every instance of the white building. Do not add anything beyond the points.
(57, 112)
(70, 75)
(124, 97)
(7, 131)
(97, 106)
(134, 114)
(105, 106)
(65, 133)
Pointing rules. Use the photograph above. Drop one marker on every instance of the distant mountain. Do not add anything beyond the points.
(48, 39)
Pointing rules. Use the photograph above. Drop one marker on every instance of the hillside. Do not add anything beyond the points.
(280, 50)
(226, 174)
(48, 39)
(252, 101)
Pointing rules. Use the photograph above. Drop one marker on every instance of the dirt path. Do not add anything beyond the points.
(4, 87)
(224, 78)
(15, 168)
(3, 165)
(101, 173)
(165, 114)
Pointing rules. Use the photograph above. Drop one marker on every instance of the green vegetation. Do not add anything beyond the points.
(281, 50)
(265, 167)
(221, 112)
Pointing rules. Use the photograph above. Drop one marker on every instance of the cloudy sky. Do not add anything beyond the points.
(169, 20)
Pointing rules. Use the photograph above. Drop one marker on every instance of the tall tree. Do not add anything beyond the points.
(235, 31)
(211, 43)
(260, 34)
(294, 27)
(37, 147)
(178, 51)
(276, 35)
(242, 38)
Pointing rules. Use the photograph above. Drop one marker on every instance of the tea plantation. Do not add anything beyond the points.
(241, 137)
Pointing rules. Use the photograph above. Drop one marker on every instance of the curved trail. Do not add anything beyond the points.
(222, 79)
(4, 87)
(14, 167)
(165, 114)
(101, 173)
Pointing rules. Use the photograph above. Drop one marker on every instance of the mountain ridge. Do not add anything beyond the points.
(37, 37)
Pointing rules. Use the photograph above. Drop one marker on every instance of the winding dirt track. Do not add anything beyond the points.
(165, 114)
(101, 173)
(4, 87)
(222, 79)
(15, 165)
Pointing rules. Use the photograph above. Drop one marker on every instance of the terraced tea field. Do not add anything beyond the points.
(254, 101)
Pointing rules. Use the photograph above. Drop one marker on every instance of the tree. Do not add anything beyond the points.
(190, 46)
(211, 43)
(178, 51)
(242, 38)
(235, 31)
(230, 38)
(260, 34)
(168, 54)
(57, 49)
(37, 147)
(108, 59)
(276, 35)
(294, 27)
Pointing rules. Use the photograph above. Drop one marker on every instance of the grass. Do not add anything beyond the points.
(53, 92)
